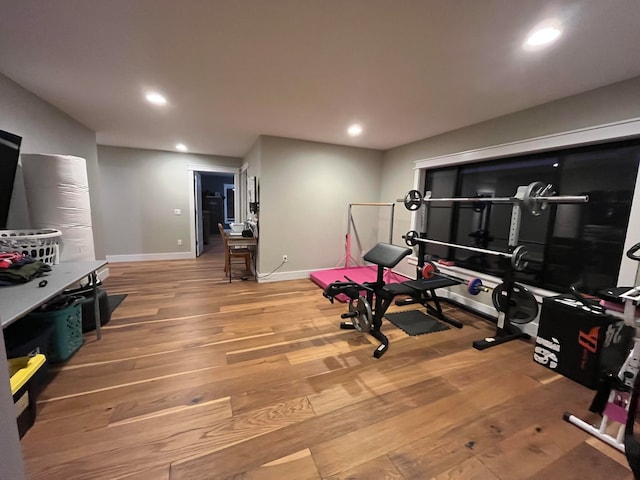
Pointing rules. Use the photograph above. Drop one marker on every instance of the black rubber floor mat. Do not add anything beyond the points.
(115, 300)
(415, 322)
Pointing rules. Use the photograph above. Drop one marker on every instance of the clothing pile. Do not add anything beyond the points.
(16, 267)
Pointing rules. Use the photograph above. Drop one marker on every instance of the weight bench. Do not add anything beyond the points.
(367, 310)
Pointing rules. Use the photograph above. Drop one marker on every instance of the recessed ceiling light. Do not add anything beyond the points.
(556, 164)
(354, 130)
(181, 147)
(542, 36)
(156, 98)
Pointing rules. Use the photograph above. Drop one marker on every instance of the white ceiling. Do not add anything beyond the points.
(236, 69)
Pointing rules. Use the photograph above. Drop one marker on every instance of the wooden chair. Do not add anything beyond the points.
(233, 252)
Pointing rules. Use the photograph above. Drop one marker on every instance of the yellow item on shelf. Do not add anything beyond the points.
(22, 369)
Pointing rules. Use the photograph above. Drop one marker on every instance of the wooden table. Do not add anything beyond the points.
(18, 300)
(15, 302)
(236, 240)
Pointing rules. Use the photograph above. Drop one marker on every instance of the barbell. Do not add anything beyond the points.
(522, 306)
(534, 198)
(474, 285)
(517, 257)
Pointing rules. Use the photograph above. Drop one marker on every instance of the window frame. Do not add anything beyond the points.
(601, 134)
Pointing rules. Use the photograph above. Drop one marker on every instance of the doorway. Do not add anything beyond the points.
(209, 187)
(217, 193)
(229, 203)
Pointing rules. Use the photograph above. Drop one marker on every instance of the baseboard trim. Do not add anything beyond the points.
(103, 274)
(145, 257)
(281, 276)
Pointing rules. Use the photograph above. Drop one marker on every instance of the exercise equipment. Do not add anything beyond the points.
(615, 401)
(522, 307)
(517, 257)
(369, 301)
(474, 285)
(534, 197)
(348, 266)
(509, 304)
(347, 254)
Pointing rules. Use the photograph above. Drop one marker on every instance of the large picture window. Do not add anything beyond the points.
(567, 243)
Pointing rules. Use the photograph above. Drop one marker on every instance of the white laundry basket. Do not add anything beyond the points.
(41, 244)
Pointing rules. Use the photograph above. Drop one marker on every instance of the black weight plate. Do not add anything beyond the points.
(413, 200)
(364, 318)
(523, 307)
(410, 238)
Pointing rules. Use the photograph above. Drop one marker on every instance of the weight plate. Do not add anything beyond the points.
(474, 287)
(429, 270)
(413, 200)
(530, 201)
(523, 306)
(518, 260)
(410, 238)
(364, 318)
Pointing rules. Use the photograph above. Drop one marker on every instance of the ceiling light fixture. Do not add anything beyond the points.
(181, 147)
(354, 130)
(156, 98)
(543, 35)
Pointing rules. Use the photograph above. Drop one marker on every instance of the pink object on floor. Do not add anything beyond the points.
(358, 274)
(616, 409)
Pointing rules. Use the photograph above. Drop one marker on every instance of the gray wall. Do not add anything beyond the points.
(305, 190)
(253, 159)
(140, 190)
(45, 129)
(601, 106)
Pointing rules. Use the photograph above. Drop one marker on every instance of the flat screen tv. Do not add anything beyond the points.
(9, 153)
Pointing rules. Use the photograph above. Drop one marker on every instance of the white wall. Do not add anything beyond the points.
(305, 191)
(45, 129)
(140, 190)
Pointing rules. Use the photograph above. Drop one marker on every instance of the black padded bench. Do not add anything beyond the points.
(379, 294)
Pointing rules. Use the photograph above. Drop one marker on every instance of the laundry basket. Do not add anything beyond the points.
(42, 244)
(67, 332)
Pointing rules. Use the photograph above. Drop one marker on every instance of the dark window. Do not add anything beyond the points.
(566, 243)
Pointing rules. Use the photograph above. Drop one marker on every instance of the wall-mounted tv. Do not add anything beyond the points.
(9, 153)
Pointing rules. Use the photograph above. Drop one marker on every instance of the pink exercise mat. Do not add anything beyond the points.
(358, 274)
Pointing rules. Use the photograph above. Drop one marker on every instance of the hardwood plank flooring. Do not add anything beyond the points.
(196, 378)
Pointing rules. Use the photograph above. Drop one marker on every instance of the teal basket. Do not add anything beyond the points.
(67, 332)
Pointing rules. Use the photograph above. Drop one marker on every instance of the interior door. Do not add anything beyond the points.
(198, 203)
(229, 203)
(240, 191)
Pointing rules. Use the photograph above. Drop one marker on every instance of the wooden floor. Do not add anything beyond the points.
(196, 378)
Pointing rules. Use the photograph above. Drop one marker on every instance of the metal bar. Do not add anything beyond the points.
(559, 199)
(393, 207)
(96, 305)
(565, 199)
(465, 247)
(373, 204)
(514, 226)
(347, 253)
(469, 199)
